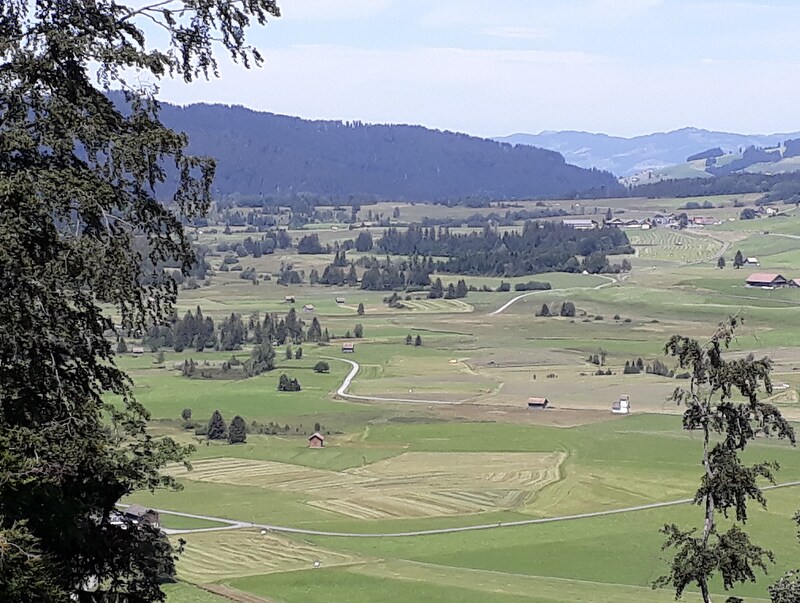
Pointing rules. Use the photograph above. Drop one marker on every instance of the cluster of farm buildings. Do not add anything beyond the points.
(771, 280)
(658, 221)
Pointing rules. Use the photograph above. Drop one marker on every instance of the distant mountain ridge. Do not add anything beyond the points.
(263, 154)
(628, 156)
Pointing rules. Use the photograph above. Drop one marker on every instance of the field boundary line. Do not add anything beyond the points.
(455, 530)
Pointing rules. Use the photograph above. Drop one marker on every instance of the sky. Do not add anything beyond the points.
(493, 68)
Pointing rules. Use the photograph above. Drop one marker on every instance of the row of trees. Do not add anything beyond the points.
(540, 247)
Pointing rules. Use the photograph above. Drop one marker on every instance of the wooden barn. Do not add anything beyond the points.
(289, 299)
(308, 308)
(341, 300)
(538, 403)
(766, 280)
(142, 515)
(348, 347)
(316, 440)
(137, 350)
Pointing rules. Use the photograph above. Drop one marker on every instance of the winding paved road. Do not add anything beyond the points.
(509, 303)
(342, 391)
(234, 524)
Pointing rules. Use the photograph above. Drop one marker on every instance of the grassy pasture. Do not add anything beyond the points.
(391, 467)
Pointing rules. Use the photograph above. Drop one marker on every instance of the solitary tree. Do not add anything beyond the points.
(738, 259)
(418, 341)
(721, 263)
(288, 352)
(298, 354)
(322, 367)
(217, 429)
(237, 433)
(186, 414)
(545, 311)
(358, 331)
(360, 310)
(568, 309)
(78, 214)
(409, 339)
(727, 426)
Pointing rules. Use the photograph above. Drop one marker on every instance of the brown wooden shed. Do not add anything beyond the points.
(316, 440)
(538, 403)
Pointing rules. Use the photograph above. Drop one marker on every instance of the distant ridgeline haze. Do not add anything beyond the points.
(265, 157)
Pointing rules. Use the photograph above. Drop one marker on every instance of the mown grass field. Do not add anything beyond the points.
(483, 458)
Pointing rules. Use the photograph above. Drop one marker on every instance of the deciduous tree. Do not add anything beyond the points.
(78, 215)
(727, 425)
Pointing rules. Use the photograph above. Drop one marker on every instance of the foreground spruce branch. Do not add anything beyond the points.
(79, 227)
(727, 426)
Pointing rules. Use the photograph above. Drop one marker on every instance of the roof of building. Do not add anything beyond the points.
(583, 221)
(764, 277)
(137, 511)
(316, 435)
(538, 401)
(751, 260)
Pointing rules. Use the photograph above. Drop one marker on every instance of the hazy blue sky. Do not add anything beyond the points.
(623, 67)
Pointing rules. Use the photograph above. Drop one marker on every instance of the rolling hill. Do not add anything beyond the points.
(263, 154)
(629, 156)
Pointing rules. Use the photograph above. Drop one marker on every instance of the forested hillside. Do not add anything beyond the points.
(275, 156)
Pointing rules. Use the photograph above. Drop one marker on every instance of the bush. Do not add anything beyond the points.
(286, 384)
(322, 367)
(532, 286)
(504, 287)
(616, 316)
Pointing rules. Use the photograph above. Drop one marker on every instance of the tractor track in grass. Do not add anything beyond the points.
(235, 524)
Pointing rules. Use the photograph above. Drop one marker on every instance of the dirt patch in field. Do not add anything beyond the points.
(554, 417)
(232, 594)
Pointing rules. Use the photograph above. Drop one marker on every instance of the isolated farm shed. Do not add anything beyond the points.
(349, 347)
(340, 300)
(308, 308)
(143, 515)
(137, 350)
(766, 279)
(538, 403)
(316, 440)
(289, 299)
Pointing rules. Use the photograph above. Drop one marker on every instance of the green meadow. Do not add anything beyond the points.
(462, 449)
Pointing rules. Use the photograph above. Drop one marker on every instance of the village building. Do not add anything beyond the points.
(137, 350)
(766, 280)
(704, 221)
(340, 300)
(142, 515)
(316, 440)
(581, 224)
(348, 347)
(752, 261)
(538, 403)
(289, 299)
(308, 308)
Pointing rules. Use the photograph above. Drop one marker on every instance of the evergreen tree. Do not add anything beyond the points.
(186, 414)
(545, 311)
(237, 433)
(358, 331)
(288, 353)
(461, 289)
(738, 260)
(727, 485)
(721, 263)
(298, 354)
(360, 310)
(437, 290)
(418, 341)
(262, 359)
(217, 429)
(568, 309)
(409, 339)
(364, 241)
(314, 331)
(451, 292)
(122, 347)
